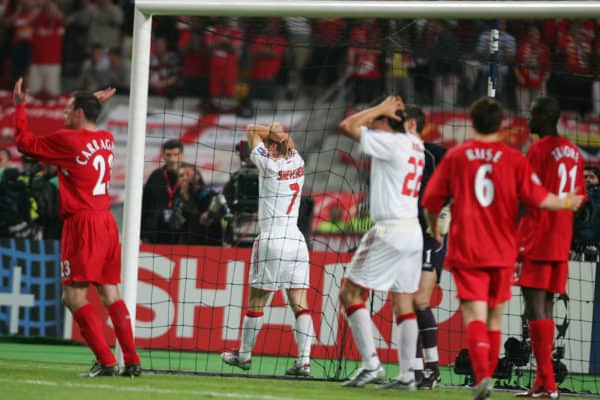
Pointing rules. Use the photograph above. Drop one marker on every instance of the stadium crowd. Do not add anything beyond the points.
(63, 45)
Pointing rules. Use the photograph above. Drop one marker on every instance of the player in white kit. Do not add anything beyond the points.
(279, 255)
(389, 255)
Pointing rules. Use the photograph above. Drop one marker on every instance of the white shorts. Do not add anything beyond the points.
(389, 257)
(279, 261)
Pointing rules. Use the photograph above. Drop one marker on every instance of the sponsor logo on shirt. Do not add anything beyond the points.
(285, 175)
(262, 151)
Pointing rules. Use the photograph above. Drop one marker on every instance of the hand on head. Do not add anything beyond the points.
(276, 133)
(390, 105)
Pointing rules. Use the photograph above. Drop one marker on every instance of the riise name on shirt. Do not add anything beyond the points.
(483, 154)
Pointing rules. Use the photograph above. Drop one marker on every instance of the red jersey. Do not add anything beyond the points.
(84, 160)
(267, 66)
(546, 235)
(485, 181)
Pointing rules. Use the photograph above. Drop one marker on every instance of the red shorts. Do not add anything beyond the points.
(550, 276)
(90, 250)
(492, 285)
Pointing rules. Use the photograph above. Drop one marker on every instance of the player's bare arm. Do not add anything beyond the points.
(572, 201)
(278, 134)
(351, 125)
(256, 134)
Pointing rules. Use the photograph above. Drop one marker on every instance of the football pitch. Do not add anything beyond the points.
(29, 371)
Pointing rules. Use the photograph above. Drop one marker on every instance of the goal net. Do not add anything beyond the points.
(209, 77)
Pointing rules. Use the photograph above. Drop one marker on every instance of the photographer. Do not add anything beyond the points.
(586, 230)
(159, 197)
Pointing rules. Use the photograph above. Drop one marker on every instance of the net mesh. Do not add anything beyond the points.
(309, 74)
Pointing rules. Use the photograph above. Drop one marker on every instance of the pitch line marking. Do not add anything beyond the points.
(147, 389)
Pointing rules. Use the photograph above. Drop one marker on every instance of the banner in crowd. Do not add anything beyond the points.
(30, 292)
(193, 298)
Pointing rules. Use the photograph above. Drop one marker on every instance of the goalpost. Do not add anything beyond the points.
(146, 9)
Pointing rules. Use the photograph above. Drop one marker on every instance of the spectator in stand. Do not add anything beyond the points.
(508, 50)
(159, 196)
(224, 41)
(193, 200)
(444, 68)
(46, 51)
(119, 72)
(164, 69)
(364, 61)
(575, 51)
(335, 223)
(76, 42)
(267, 52)
(5, 159)
(194, 53)
(400, 60)
(595, 116)
(106, 20)
(21, 22)
(532, 69)
(326, 51)
(96, 69)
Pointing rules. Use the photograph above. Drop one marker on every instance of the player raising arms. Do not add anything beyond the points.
(485, 179)
(545, 238)
(389, 255)
(90, 251)
(279, 255)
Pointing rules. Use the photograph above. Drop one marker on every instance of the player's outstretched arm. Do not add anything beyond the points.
(350, 126)
(572, 201)
(19, 96)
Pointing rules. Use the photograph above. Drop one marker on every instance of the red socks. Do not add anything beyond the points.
(121, 320)
(91, 330)
(479, 349)
(495, 338)
(541, 332)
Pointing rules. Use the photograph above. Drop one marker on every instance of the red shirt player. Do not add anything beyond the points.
(485, 179)
(545, 238)
(90, 252)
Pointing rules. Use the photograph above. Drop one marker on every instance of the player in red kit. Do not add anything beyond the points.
(90, 252)
(545, 238)
(485, 179)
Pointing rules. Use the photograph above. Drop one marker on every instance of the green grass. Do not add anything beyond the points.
(29, 371)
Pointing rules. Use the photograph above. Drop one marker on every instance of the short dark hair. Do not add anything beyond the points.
(547, 110)
(413, 112)
(486, 115)
(7, 151)
(88, 103)
(172, 144)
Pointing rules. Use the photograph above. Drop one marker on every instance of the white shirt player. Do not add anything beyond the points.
(279, 187)
(396, 169)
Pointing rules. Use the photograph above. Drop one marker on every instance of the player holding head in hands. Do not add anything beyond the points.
(545, 238)
(279, 255)
(389, 255)
(90, 251)
(485, 180)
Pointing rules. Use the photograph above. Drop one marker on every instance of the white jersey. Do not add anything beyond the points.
(279, 188)
(396, 172)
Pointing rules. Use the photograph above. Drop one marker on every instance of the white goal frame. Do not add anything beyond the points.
(138, 101)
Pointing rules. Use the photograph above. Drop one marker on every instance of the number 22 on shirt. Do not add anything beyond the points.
(412, 181)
